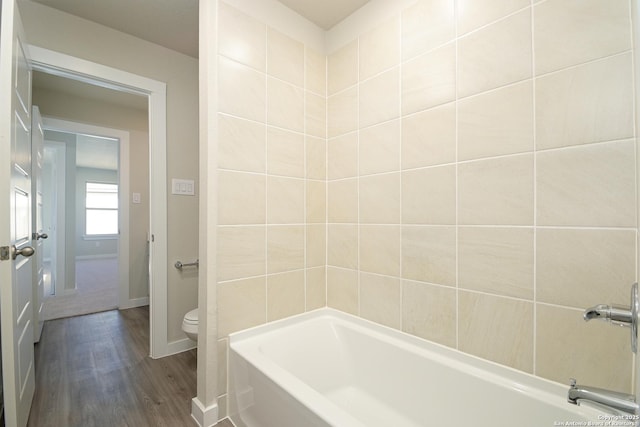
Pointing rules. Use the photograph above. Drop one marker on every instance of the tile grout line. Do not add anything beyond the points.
(266, 171)
(326, 181)
(535, 197)
(358, 284)
(305, 174)
(456, 163)
(399, 165)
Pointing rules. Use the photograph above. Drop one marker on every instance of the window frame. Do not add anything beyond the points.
(87, 235)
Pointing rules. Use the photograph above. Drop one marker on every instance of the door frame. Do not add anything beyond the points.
(57, 238)
(71, 67)
(37, 165)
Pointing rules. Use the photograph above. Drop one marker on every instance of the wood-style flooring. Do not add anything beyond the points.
(95, 370)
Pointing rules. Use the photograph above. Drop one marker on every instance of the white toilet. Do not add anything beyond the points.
(190, 324)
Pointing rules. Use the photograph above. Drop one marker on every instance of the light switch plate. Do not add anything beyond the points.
(136, 198)
(183, 187)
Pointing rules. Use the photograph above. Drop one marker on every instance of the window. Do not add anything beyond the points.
(101, 209)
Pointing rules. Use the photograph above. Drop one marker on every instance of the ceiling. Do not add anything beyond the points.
(325, 13)
(169, 23)
(174, 23)
(96, 152)
(91, 151)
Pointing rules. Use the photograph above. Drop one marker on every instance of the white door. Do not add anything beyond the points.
(16, 272)
(37, 161)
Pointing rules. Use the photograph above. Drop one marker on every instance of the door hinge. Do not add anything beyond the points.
(5, 253)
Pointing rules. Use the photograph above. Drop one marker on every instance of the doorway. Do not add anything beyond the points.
(77, 69)
(82, 212)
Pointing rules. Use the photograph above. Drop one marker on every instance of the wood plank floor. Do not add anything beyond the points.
(94, 370)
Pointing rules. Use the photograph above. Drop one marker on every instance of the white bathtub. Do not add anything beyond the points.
(327, 368)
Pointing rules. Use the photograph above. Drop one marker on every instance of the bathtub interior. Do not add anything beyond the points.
(381, 377)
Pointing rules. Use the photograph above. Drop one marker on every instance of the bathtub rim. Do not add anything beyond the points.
(536, 387)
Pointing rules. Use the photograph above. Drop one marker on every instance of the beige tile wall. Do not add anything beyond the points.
(481, 180)
(271, 174)
(465, 174)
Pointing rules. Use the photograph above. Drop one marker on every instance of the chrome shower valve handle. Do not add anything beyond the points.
(614, 314)
(619, 315)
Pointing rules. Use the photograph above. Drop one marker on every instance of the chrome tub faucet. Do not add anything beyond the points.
(620, 403)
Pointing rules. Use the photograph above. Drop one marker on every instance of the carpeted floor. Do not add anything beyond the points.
(97, 290)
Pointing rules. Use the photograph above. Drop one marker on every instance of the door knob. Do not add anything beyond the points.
(27, 251)
(37, 236)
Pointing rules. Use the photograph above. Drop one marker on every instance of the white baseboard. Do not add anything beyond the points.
(63, 292)
(175, 347)
(133, 303)
(100, 256)
(205, 417)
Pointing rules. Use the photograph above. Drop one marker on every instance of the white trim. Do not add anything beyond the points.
(64, 292)
(97, 237)
(181, 345)
(205, 417)
(59, 242)
(102, 75)
(133, 303)
(99, 256)
(93, 73)
(208, 360)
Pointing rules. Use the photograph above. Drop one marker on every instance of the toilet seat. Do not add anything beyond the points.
(191, 317)
(190, 324)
